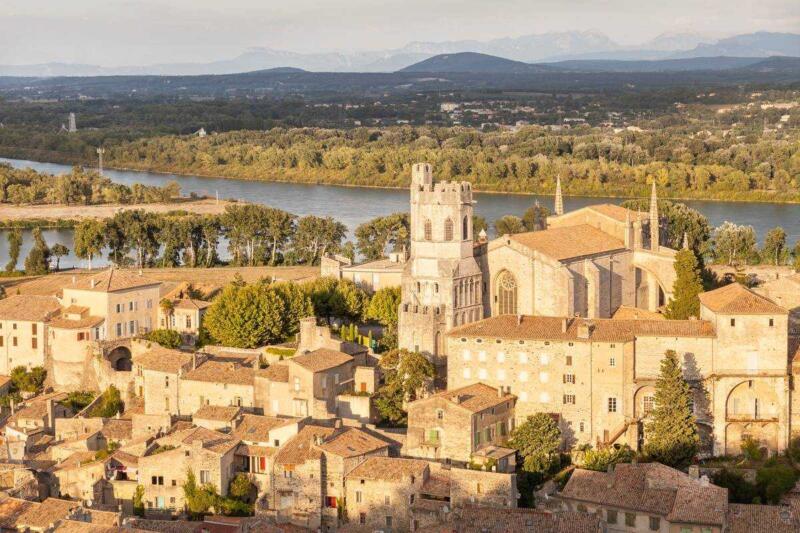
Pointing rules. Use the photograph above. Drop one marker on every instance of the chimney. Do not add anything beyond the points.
(456, 399)
(584, 330)
(519, 319)
(50, 413)
(563, 325)
(194, 360)
(92, 283)
(73, 280)
(500, 392)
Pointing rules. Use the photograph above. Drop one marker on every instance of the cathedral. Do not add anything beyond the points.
(590, 263)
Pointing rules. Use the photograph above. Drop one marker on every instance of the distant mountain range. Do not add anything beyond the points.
(536, 48)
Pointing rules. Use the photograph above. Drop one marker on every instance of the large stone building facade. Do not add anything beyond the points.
(588, 263)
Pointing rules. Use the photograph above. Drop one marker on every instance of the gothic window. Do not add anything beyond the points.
(465, 229)
(428, 230)
(506, 294)
(448, 230)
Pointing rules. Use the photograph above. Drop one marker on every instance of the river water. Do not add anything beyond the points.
(354, 205)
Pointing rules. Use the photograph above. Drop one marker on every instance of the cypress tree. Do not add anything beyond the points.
(38, 260)
(671, 435)
(688, 285)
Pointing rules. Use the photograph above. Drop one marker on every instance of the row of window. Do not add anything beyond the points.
(34, 327)
(523, 377)
(448, 229)
(132, 305)
(15, 342)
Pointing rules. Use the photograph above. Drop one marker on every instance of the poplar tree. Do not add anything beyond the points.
(14, 247)
(688, 285)
(671, 435)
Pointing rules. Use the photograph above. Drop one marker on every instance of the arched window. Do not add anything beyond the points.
(506, 294)
(465, 228)
(448, 230)
(428, 230)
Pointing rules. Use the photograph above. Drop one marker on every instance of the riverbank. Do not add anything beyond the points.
(337, 180)
(59, 214)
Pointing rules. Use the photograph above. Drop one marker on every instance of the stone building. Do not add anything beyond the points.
(455, 424)
(441, 284)
(653, 497)
(184, 315)
(599, 375)
(370, 276)
(23, 330)
(589, 262)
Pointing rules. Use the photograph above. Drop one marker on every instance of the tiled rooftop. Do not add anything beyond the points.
(394, 469)
(735, 299)
(322, 359)
(569, 242)
(29, 307)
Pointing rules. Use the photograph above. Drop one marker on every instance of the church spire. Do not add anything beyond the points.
(654, 221)
(559, 207)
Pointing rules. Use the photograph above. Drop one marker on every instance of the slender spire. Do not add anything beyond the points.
(559, 199)
(654, 221)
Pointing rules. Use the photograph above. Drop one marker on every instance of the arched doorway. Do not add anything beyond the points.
(121, 359)
(506, 296)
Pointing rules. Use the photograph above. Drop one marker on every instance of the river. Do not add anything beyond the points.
(354, 205)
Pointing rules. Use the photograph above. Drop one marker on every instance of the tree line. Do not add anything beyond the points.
(79, 187)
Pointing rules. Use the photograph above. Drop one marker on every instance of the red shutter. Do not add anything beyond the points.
(263, 462)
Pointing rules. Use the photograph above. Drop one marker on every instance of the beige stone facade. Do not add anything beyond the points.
(370, 276)
(598, 375)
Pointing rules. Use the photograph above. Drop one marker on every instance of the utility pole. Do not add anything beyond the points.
(100, 152)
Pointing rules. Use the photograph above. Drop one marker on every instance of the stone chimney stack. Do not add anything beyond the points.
(654, 220)
(559, 202)
(564, 325)
(51, 417)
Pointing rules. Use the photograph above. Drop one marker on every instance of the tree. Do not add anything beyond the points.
(509, 225)
(58, 251)
(671, 434)
(688, 285)
(28, 381)
(295, 303)
(315, 236)
(538, 440)
(601, 458)
(733, 243)
(246, 317)
(14, 247)
(681, 220)
(336, 298)
(241, 488)
(374, 236)
(89, 239)
(478, 224)
(167, 308)
(405, 375)
(535, 217)
(383, 307)
(138, 501)
(774, 250)
(38, 260)
(168, 338)
(109, 405)
(199, 499)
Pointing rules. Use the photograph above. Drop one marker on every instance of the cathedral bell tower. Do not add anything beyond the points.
(442, 282)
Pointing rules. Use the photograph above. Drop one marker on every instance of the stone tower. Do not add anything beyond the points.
(442, 283)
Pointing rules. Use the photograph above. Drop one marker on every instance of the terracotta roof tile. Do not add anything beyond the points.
(213, 441)
(746, 518)
(617, 212)
(601, 329)
(322, 359)
(651, 488)
(277, 372)
(393, 469)
(163, 359)
(117, 429)
(62, 322)
(29, 307)
(46, 514)
(11, 509)
(112, 279)
(475, 397)
(569, 242)
(735, 299)
(217, 412)
(189, 303)
(221, 372)
(301, 447)
(350, 442)
(256, 428)
(473, 519)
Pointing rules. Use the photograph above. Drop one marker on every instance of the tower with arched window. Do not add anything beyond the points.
(442, 283)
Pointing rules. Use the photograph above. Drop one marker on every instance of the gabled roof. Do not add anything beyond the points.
(277, 372)
(394, 469)
(322, 359)
(29, 307)
(46, 514)
(222, 413)
(567, 329)
(736, 299)
(221, 372)
(569, 242)
(617, 212)
(651, 488)
(256, 428)
(474, 519)
(213, 441)
(189, 303)
(475, 398)
(350, 442)
(11, 509)
(163, 359)
(747, 518)
(111, 280)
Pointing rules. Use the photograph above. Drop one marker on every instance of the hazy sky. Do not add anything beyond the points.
(137, 32)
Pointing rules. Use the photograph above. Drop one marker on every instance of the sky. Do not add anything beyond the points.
(143, 32)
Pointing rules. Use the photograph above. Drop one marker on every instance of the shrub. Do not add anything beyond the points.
(601, 458)
(751, 449)
(109, 404)
(165, 337)
(739, 489)
(775, 481)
